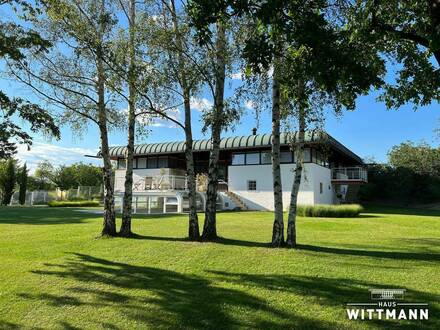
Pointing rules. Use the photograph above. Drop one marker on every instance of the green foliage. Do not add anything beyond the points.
(72, 203)
(330, 211)
(23, 180)
(47, 177)
(408, 34)
(400, 185)
(15, 42)
(420, 158)
(8, 180)
(412, 176)
(43, 176)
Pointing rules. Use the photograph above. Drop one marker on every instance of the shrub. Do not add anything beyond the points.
(330, 211)
(72, 204)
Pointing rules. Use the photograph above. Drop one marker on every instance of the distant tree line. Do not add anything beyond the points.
(15, 178)
(411, 176)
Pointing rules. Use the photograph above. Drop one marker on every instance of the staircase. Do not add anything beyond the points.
(352, 193)
(237, 200)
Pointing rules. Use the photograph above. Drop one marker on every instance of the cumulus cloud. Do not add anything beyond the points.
(55, 154)
(200, 104)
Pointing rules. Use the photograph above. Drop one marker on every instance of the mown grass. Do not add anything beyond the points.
(330, 211)
(56, 273)
(73, 203)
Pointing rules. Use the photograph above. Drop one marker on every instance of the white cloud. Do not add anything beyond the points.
(150, 120)
(157, 121)
(237, 76)
(56, 155)
(249, 105)
(201, 104)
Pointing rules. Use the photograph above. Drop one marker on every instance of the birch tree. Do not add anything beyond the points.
(16, 42)
(178, 57)
(318, 53)
(72, 77)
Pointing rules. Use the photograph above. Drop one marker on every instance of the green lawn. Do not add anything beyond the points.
(55, 273)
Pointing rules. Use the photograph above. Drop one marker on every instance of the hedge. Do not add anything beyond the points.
(330, 211)
(72, 203)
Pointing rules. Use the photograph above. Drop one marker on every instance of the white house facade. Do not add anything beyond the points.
(332, 173)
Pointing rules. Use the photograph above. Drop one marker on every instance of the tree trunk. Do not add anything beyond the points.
(193, 228)
(193, 221)
(128, 186)
(299, 158)
(209, 226)
(278, 224)
(109, 223)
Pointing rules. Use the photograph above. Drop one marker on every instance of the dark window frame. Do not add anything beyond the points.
(251, 185)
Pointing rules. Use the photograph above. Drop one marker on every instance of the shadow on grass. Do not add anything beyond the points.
(430, 257)
(43, 216)
(384, 209)
(154, 297)
(400, 255)
(336, 292)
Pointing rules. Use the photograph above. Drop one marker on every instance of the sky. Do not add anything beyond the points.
(369, 131)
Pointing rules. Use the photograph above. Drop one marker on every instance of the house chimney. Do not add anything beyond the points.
(254, 131)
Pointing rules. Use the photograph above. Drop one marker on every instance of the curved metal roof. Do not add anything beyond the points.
(231, 143)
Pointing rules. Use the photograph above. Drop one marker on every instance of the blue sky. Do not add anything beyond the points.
(370, 131)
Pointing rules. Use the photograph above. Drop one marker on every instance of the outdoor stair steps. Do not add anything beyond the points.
(237, 200)
(352, 194)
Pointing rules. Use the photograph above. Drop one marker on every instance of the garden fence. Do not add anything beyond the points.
(42, 197)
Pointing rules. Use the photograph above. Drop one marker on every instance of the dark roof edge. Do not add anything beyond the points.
(311, 137)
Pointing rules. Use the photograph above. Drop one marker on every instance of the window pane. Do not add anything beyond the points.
(171, 208)
(238, 159)
(253, 158)
(286, 157)
(307, 155)
(266, 158)
(142, 163)
(171, 200)
(121, 164)
(156, 204)
(162, 162)
(252, 185)
(152, 162)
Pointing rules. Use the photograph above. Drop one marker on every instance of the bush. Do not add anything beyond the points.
(330, 211)
(72, 204)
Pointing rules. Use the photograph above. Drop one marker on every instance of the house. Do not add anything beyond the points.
(332, 173)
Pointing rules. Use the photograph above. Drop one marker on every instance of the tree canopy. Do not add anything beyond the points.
(15, 43)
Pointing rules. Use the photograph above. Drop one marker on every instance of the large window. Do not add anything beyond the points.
(238, 159)
(152, 162)
(307, 155)
(286, 157)
(266, 157)
(142, 163)
(253, 158)
(121, 164)
(162, 162)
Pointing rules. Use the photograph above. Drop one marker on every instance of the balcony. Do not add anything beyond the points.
(349, 175)
(172, 183)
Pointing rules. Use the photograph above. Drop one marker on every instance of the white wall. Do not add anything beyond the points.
(262, 198)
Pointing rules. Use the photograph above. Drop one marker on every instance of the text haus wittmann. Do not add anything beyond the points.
(387, 308)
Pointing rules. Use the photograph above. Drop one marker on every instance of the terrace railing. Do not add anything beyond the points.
(171, 182)
(349, 174)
